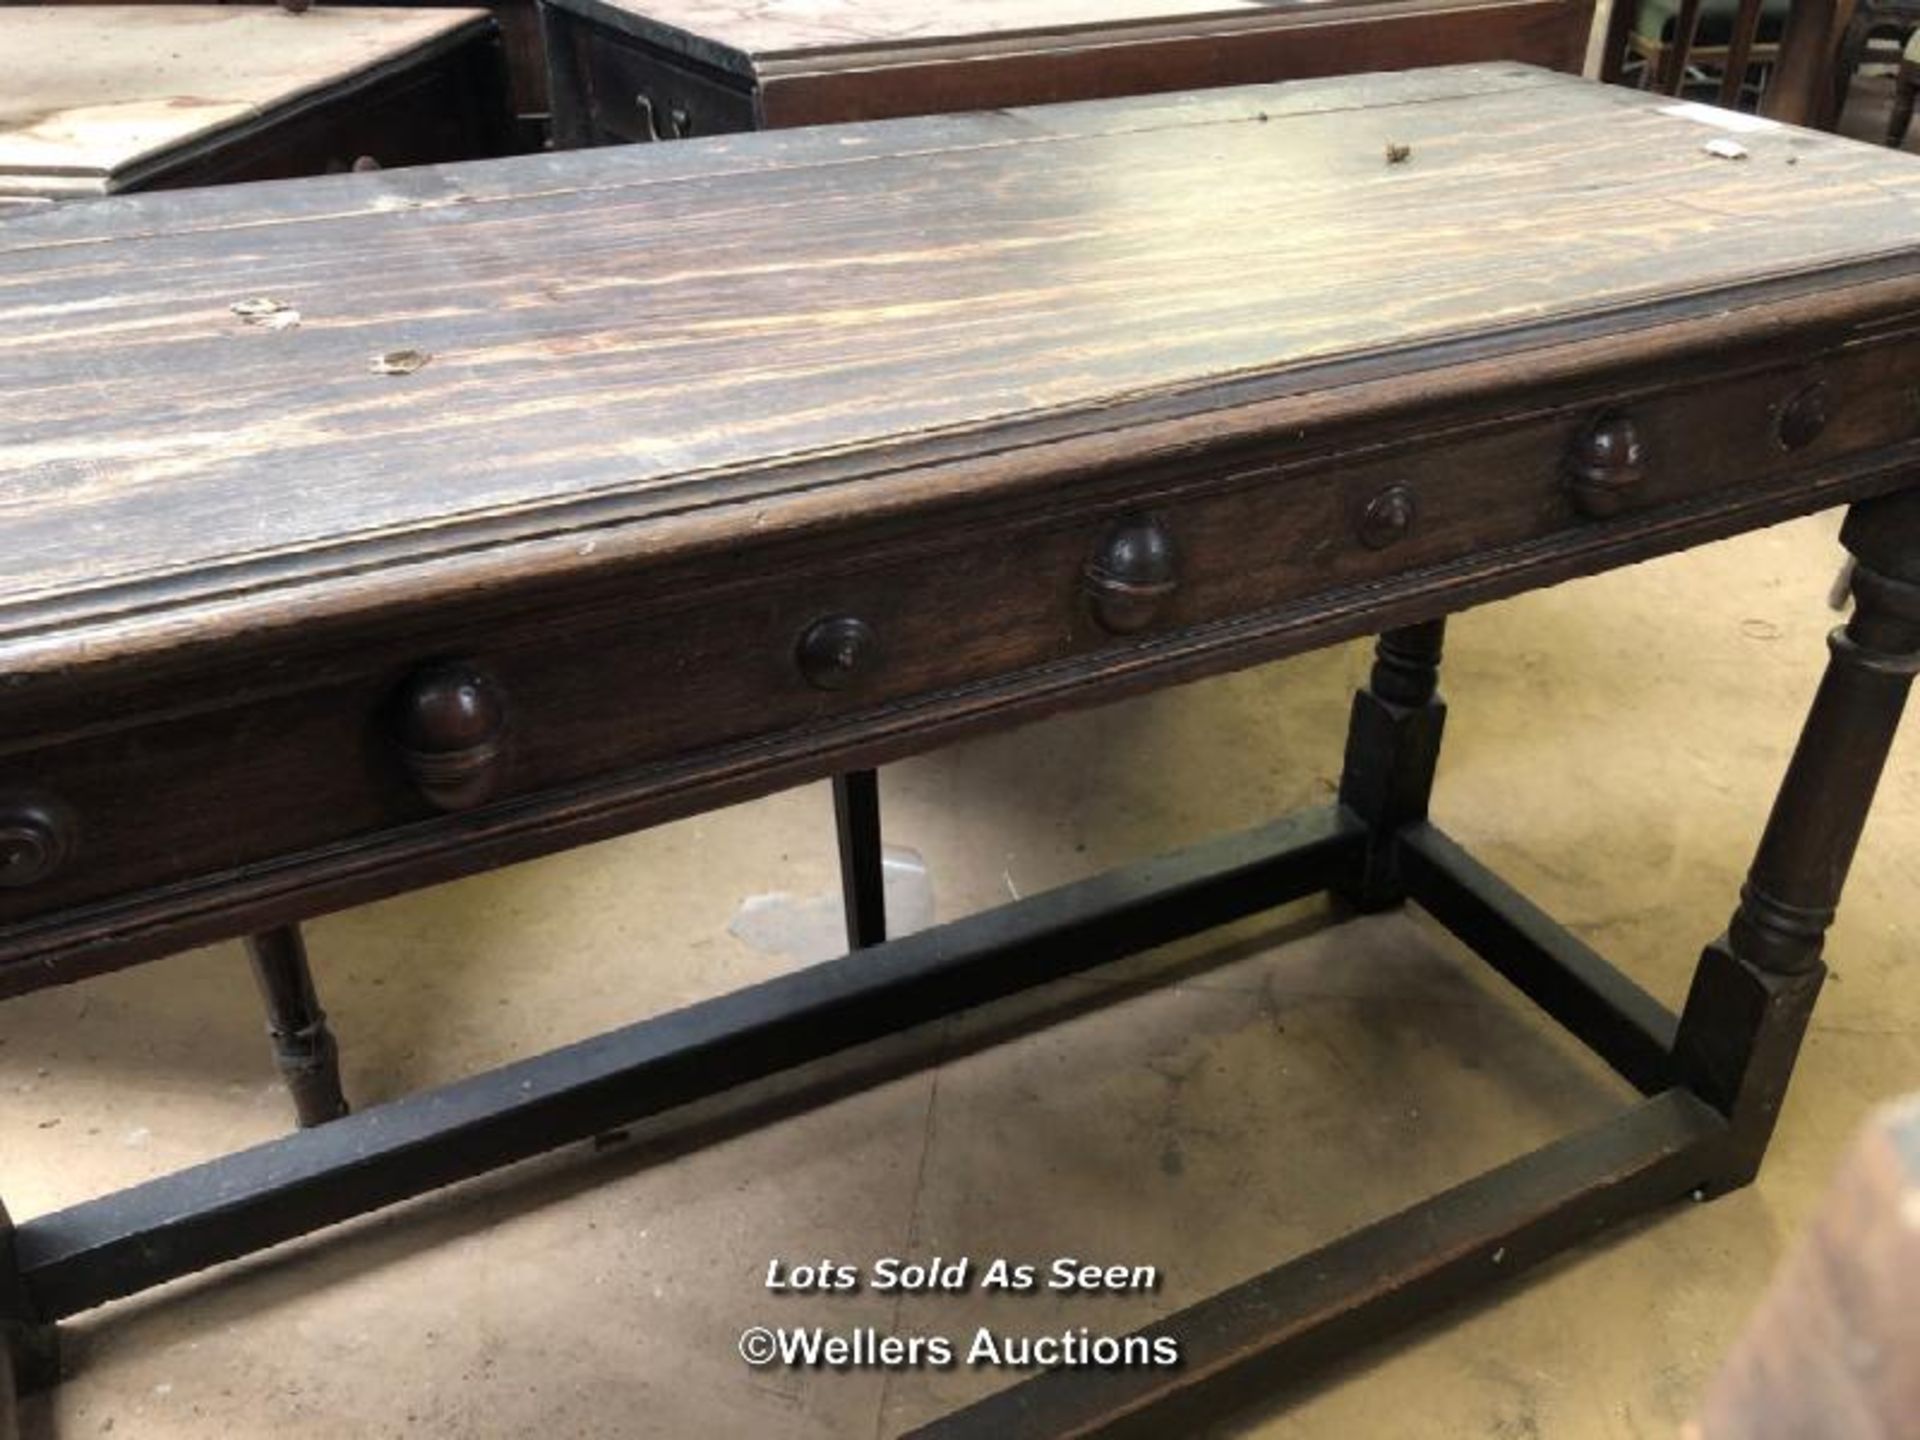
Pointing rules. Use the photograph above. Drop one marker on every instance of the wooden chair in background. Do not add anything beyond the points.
(1899, 18)
(1905, 90)
(1668, 36)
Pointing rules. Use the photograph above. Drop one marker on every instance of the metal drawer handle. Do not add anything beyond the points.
(679, 124)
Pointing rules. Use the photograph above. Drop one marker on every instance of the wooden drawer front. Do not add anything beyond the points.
(631, 93)
(585, 703)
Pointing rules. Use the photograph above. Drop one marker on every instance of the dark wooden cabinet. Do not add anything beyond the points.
(631, 70)
(102, 99)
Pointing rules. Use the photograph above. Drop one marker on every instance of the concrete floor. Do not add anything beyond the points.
(1613, 748)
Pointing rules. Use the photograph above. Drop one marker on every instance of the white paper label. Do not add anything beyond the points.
(1738, 121)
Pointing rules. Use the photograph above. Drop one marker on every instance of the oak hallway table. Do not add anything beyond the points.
(919, 429)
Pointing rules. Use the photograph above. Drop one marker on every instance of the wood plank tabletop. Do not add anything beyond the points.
(665, 330)
(734, 33)
(86, 92)
(746, 35)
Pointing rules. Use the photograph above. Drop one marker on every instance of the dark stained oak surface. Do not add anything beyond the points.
(673, 326)
(741, 30)
(761, 40)
(627, 70)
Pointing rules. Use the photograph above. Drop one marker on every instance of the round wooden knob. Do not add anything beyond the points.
(837, 653)
(36, 836)
(451, 725)
(1387, 518)
(1132, 575)
(1607, 467)
(1801, 418)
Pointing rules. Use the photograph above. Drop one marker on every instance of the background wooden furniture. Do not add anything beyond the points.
(628, 70)
(910, 453)
(1802, 89)
(1906, 87)
(1730, 35)
(103, 98)
(1897, 18)
(519, 24)
(526, 61)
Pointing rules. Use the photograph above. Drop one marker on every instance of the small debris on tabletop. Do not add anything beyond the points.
(267, 314)
(1398, 154)
(398, 362)
(1725, 149)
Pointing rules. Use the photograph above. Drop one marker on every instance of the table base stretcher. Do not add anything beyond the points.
(1712, 1079)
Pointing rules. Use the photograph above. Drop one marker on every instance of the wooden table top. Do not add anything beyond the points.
(739, 34)
(88, 92)
(760, 331)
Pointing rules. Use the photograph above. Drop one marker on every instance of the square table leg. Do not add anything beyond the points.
(29, 1345)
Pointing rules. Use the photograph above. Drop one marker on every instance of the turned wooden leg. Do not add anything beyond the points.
(1755, 986)
(1900, 118)
(303, 1046)
(856, 818)
(29, 1346)
(1393, 745)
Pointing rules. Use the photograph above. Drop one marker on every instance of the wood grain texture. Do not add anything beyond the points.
(1311, 43)
(979, 274)
(766, 27)
(704, 71)
(755, 37)
(917, 374)
(88, 94)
